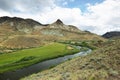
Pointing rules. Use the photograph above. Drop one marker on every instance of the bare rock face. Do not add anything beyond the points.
(59, 22)
(18, 24)
(28, 25)
(58, 28)
(60, 25)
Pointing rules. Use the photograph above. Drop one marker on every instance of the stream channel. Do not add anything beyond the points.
(20, 73)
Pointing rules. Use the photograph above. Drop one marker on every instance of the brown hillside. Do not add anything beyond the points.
(102, 64)
(14, 26)
(22, 42)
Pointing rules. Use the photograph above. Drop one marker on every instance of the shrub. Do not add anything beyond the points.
(26, 59)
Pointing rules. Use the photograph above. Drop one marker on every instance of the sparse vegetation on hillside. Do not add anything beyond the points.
(92, 44)
(22, 58)
(101, 64)
(22, 42)
(15, 27)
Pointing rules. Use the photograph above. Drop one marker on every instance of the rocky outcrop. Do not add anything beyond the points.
(111, 34)
(60, 25)
(28, 25)
(19, 24)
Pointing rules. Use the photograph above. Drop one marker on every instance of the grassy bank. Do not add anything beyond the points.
(88, 44)
(101, 64)
(22, 58)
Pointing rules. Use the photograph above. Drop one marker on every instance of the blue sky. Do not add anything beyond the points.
(82, 4)
(97, 16)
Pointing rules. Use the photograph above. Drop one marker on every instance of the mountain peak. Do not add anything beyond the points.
(59, 21)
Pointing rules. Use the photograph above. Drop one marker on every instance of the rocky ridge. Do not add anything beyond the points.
(13, 30)
(112, 34)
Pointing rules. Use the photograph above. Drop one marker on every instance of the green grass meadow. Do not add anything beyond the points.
(27, 57)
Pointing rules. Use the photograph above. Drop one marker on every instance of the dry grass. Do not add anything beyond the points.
(22, 42)
(102, 64)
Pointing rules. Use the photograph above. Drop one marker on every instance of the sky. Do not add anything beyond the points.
(97, 16)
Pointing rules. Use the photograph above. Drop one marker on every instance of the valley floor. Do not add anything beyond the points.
(27, 57)
(101, 64)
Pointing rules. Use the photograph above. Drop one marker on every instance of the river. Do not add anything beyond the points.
(20, 73)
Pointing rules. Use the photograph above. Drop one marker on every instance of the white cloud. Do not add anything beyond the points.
(4, 13)
(65, 3)
(104, 16)
(99, 18)
(72, 0)
(65, 14)
(26, 5)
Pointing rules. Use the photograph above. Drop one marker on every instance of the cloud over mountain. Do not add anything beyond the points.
(98, 18)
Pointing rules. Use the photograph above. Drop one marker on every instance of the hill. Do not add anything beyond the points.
(101, 64)
(18, 24)
(112, 34)
(17, 32)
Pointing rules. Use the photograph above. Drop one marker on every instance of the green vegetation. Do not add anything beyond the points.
(27, 57)
(88, 44)
(101, 64)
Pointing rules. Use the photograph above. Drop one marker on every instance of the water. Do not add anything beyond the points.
(20, 73)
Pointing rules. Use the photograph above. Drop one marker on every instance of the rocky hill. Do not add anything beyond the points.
(12, 28)
(60, 25)
(18, 24)
(112, 34)
(28, 25)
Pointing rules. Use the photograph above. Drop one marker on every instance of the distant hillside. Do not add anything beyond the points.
(101, 64)
(23, 42)
(60, 25)
(112, 34)
(34, 33)
(18, 24)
